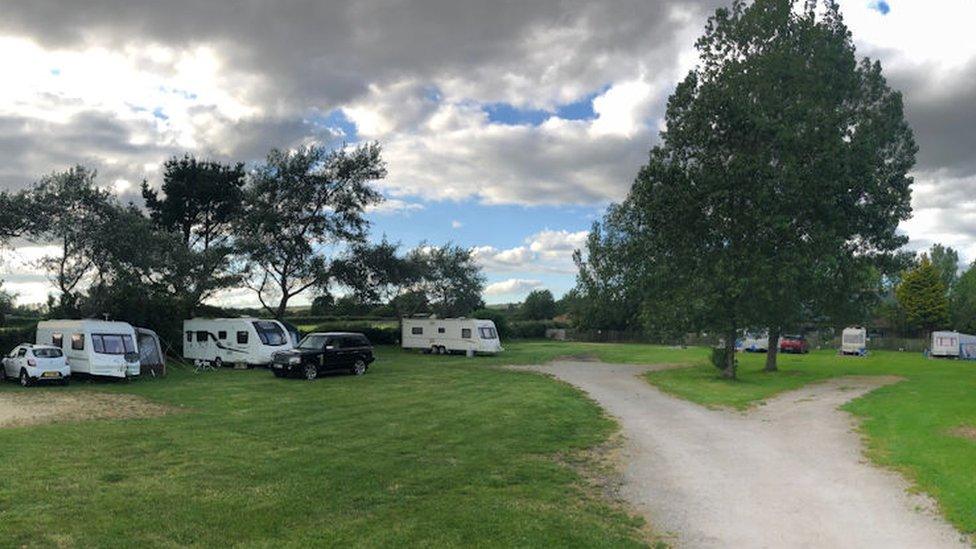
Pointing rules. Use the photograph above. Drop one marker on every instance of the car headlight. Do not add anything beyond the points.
(294, 360)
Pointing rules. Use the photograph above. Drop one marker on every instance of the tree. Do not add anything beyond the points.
(963, 302)
(538, 305)
(323, 304)
(779, 181)
(451, 279)
(72, 211)
(16, 218)
(946, 261)
(297, 205)
(922, 295)
(377, 273)
(200, 202)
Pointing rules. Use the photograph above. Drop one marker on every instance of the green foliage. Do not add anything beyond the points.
(12, 336)
(922, 295)
(775, 193)
(532, 329)
(963, 304)
(377, 334)
(720, 357)
(298, 204)
(538, 305)
(451, 279)
(17, 217)
(323, 304)
(946, 262)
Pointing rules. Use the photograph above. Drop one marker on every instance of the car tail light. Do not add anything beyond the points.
(31, 362)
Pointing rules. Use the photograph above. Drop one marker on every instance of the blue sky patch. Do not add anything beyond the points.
(503, 113)
(56, 72)
(334, 120)
(880, 6)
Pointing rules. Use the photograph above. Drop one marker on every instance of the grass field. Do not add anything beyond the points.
(423, 450)
(914, 426)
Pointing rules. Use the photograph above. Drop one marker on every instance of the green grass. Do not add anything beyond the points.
(907, 426)
(438, 451)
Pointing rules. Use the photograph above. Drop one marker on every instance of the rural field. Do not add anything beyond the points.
(422, 451)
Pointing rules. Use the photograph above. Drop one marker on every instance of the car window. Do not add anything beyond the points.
(362, 341)
(47, 353)
(313, 342)
(22, 352)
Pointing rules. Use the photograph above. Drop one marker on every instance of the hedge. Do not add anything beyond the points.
(377, 335)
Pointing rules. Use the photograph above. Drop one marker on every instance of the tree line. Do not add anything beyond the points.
(294, 223)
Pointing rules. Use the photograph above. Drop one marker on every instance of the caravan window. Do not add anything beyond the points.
(440, 329)
(113, 344)
(57, 340)
(221, 335)
(417, 330)
(487, 333)
(270, 333)
(466, 333)
(242, 338)
(78, 342)
(189, 336)
(202, 336)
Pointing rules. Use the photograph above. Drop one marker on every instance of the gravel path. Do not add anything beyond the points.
(788, 474)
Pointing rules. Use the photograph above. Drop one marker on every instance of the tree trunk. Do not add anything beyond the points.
(772, 350)
(729, 371)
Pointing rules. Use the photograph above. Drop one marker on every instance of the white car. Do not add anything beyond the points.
(31, 363)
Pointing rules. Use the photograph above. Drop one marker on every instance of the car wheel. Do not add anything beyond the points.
(25, 380)
(3, 373)
(65, 382)
(218, 363)
(311, 372)
(279, 373)
(359, 368)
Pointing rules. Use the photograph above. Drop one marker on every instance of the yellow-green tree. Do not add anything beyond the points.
(922, 295)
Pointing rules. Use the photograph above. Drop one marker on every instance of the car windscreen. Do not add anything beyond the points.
(270, 333)
(113, 344)
(313, 341)
(487, 333)
(47, 353)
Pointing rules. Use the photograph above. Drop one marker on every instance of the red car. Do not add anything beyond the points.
(794, 344)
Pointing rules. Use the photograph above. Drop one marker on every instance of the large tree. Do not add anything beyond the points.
(922, 295)
(378, 273)
(538, 305)
(946, 261)
(16, 216)
(72, 212)
(779, 181)
(199, 200)
(451, 279)
(963, 302)
(299, 205)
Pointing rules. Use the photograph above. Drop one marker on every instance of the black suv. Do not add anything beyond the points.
(325, 352)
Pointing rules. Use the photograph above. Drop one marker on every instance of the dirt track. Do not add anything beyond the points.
(789, 474)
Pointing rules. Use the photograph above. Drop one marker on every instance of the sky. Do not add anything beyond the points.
(507, 126)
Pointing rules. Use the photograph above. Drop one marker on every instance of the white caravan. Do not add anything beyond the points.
(245, 341)
(953, 345)
(93, 347)
(853, 341)
(445, 335)
(754, 343)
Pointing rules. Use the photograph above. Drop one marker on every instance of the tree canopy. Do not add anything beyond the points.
(922, 295)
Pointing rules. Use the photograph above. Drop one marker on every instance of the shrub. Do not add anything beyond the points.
(13, 336)
(499, 318)
(377, 335)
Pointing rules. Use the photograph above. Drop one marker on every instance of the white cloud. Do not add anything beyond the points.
(395, 206)
(455, 224)
(512, 286)
(547, 251)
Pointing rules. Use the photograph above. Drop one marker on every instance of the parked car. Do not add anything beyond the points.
(322, 352)
(32, 363)
(794, 344)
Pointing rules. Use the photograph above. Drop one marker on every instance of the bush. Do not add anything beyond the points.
(533, 329)
(719, 355)
(13, 336)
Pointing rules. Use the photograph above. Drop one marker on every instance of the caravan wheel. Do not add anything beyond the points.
(218, 363)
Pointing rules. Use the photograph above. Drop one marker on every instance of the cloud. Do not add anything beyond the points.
(455, 224)
(395, 206)
(512, 286)
(880, 6)
(547, 251)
